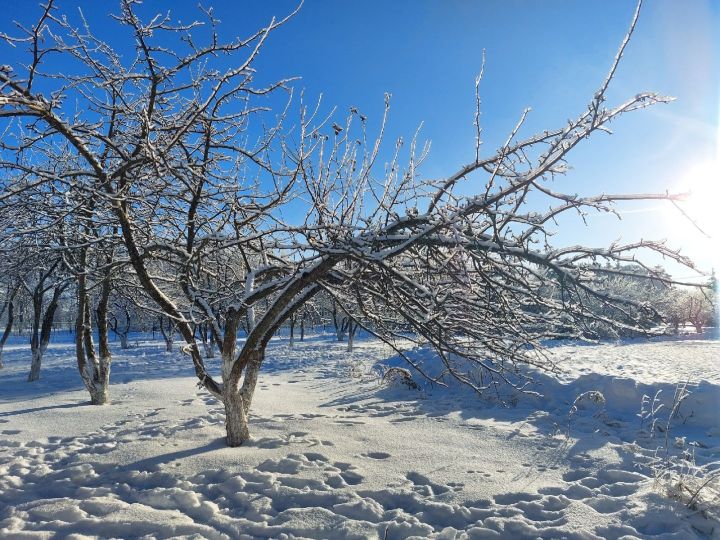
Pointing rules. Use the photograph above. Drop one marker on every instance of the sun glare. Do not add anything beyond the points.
(701, 187)
(696, 220)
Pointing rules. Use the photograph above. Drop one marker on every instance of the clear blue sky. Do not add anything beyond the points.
(549, 55)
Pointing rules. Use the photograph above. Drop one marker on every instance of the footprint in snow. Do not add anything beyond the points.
(348, 474)
(426, 486)
(376, 455)
(352, 478)
(605, 505)
(314, 456)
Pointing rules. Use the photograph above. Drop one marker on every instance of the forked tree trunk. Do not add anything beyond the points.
(340, 322)
(94, 368)
(121, 332)
(42, 329)
(238, 398)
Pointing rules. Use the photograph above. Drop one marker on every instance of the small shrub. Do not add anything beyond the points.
(396, 376)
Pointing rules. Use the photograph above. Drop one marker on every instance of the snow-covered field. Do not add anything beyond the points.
(338, 455)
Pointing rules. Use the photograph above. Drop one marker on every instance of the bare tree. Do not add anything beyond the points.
(697, 308)
(120, 319)
(340, 320)
(44, 311)
(168, 328)
(176, 145)
(205, 331)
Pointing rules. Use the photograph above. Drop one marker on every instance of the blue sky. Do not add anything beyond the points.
(549, 55)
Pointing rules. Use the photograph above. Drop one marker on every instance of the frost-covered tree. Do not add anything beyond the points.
(696, 307)
(120, 319)
(648, 289)
(90, 257)
(179, 143)
(689, 305)
(32, 253)
(45, 286)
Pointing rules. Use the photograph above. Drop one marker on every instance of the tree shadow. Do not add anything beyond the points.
(153, 463)
(46, 408)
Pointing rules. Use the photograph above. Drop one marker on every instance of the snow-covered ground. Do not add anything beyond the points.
(338, 455)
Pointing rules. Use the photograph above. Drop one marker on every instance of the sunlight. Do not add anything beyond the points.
(696, 216)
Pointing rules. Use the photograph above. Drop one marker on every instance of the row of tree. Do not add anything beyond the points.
(27, 307)
(161, 164)
(35, 310)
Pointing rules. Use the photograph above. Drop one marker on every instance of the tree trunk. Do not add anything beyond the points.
(101, 395)
(291, 323)
(207, 340)
(236, 420)
(40, 340)
(126, 331)
(94, 369)
(8, 329)
(340, 323)
(35, 364)
(37, 301)
(168, 334)
(352, 328)
(340, 333)
(123, 334)
(302, 328)
(237, 399)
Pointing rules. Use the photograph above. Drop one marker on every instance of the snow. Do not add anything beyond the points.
(335, 454)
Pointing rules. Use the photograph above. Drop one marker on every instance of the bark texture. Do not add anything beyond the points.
(94, 367)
